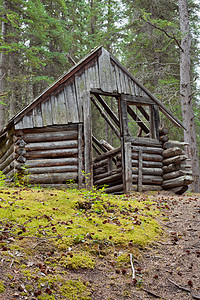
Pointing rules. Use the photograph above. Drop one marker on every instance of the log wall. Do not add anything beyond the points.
(50, 154)
(107, 171)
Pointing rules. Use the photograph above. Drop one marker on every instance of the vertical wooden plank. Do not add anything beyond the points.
(132, 87)
(156, 120)
(87, 129)
(28, 120)
(105, 75)
(126, 78)
(96, 72)
(124, 118)
(71, 104)
(80, 156)
(59, 113)
(37, 116)
(19, 125)
(152, 123)
(128, 167)
(113, 78)
(136, 90)
(47, 113)
(80, 86)
(122, 81)
(140, 171)
(119, 89)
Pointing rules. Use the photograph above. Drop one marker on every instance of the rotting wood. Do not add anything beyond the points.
(97, 142)
(10, 150)
(175, 159)
(171, 144)
(172, 152)
(107, 179)
(105, 76)
(140, 170)
(106, 145)
(108, 109)
(101, 170)
(46, 113)
(4, 148)
(143, 142)
(20, 151)
(21, 159)
(106, 174)
(148, 164)
(104, 115)
(148, 171)
(138, 99)
(50, 153)
(174, 174)
(51, 136)
(127, 169)
(148, 179)
(49, 129)
(53, 169)
(59, 111)
(150, 150)
(80, 156)
(7, 161)
(52, 178)
(100, 163)
(146, 156)
(107, 154)
(51, 162)
(163, 138)
(114, 189)
(179, 190)
(37, 116)
(163, 130)
(180, 181)
(52, 145)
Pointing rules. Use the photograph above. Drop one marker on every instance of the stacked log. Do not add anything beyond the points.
(50, 155)
(107, 173)
(177, 169)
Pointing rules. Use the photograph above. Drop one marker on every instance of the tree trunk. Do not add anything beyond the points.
(2, 77)
(185, 93)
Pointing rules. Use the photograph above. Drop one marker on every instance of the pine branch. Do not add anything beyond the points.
(165, 32)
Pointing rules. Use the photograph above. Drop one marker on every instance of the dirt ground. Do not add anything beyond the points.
(168, 269)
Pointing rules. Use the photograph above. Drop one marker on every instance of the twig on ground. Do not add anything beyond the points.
(179, 286)
(196, 297)
(151, 293)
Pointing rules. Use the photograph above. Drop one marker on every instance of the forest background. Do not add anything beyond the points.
(41, 39)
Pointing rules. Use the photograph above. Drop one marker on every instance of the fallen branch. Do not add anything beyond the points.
(196, 297)
(131, 260)
(179, 286)
(151, 293)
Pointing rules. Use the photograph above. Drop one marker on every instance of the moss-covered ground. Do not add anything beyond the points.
(53, 240)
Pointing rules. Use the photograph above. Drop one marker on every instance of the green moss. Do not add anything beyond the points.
(76, 290)
(2, 288)
(78, 260)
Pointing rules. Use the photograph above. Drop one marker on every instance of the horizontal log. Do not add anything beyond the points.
(50, 136)
(106, 145)
(176, 159)
(163, 130)
(51, 145)
(180, 181)
(148, 171)
(152, 150)
(20, 151)
(7, 161)
(7, 153)
(171, 168)
(179, 190)
(51, 162)
(10, 175)
(174, 151)
(148, 164)
(148, 157)
(144, 142)
(54, 128)
(147, 179)
(101, 170)
(171, 144)
(21, 159)
(51, 178)
(163, 138)
(147, 187)
(114, 189)
(108, 179)
(52, 153)
(111, 153)
(5, 147)
(100, 164)
(175, 174)
(106, 174)
(53, 169)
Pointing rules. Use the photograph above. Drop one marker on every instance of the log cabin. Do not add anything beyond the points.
(54, 139)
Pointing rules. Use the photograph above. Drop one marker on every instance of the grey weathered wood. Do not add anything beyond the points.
(163, 138)
(80, 156)
(180, 189)
(97, 143)
(19, 125)
(147, 156)
(5, 147)
(100, 163)
(48, 129)
(104, 115)
(20, 151)
(147, 187)
(71, 104)
(176, 174)
(152, 150)
(114, 189)
(163, 130)
(59, 112)
(108, 109)
(140, 171)
(156, 120)
(21, 159)
(171, 144)
(107, 174)
(52, 153)
(51, 162)
(28, 121)
(51, 145)
(148, 171)
(127, 167)
(119, 89)
(52, 178)
(7, 161)
(53, 169)
(107, 154)
(46, 113)
(87, 129)
(171, 168)
(148, 179)
(108, 179)
(106, 145)
(114, 80)
(138, 100)
(37, 116)
(123, 118)
(175, 159)
(122, 81)
(144, 141)
(10, 150)
(105, 73)
(148, 164)
(50, 136)
(172, 152)
(180, 181)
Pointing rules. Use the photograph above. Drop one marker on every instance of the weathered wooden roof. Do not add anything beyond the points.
(61, 103)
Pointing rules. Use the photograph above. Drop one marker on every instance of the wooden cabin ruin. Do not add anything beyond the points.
(58, 138)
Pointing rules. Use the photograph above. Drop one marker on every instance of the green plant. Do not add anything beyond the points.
(2, 179)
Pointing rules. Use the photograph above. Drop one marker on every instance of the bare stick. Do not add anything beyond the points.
(180, 287)
(131, 260)
(151, 293)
